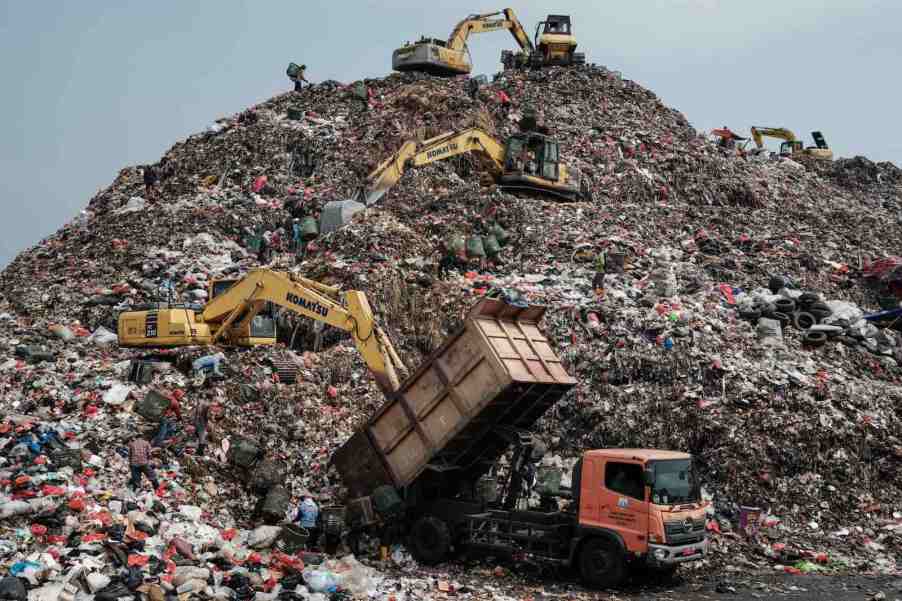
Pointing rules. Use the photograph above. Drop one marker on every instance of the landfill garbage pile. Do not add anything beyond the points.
(706, 302)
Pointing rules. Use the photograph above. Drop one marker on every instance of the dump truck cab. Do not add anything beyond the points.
(624, 507)
(646, 503)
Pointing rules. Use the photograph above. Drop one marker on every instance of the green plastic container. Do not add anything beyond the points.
(501, 234)
(490, 243)
(475, 248)
(295, 113)
(309, 229)
(456, 245)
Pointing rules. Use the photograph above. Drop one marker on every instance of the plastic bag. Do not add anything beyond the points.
(844, 311)
(117, 394)
(103, 337)
(263, 537)
(770, 332)
(320, 581)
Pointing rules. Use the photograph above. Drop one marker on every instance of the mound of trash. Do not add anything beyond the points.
(743, 309)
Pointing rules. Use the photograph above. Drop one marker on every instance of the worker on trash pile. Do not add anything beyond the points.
(200, 418)
(298, 77)
(167, 422)
(450, 259)
(263, 253)
(296, 233)
(150, 181)
(473, 88)
(139, 453)
(307, 516)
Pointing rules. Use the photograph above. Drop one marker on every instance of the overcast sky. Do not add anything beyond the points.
(93, 86)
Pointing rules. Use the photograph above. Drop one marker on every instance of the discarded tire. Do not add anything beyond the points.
(752, 315)
(784, 318)
(803, 320)
(806, 300)
(776, 283)
(785, 305)
(820, 310)
(814, 338)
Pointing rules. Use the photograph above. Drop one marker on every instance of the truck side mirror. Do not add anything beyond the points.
(648, 476)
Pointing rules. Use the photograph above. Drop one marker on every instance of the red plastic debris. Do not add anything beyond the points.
(136, 559)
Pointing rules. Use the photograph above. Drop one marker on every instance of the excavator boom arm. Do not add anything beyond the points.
(781, 133)
(483, 24)
(316, 301)
(439, 148)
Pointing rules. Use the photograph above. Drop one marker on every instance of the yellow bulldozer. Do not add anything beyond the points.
(235, 316)
(525, 161)
(554, 44)
(792, 146)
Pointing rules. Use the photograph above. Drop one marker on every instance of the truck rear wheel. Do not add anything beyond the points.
(601, 564)
(430, 540)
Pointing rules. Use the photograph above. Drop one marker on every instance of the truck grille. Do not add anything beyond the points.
(684, 531)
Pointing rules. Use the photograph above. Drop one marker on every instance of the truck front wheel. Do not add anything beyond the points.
(430, 540)
(601, 564)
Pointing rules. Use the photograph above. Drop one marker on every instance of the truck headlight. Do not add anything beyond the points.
(660, 554)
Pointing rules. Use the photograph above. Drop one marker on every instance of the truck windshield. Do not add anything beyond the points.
(675, 482)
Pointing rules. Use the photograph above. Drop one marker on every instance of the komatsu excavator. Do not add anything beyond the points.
(791, 146)
(526, 161)
(452, 57)
(233, 317)
(555, 45)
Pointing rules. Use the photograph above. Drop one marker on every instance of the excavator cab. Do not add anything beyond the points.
(557, 24)
(532, 161)
(260, 330)
(790, 148)
(534, 155)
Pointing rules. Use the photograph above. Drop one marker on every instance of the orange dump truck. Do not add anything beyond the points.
(451, 460)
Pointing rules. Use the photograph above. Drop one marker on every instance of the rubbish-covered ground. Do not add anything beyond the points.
(676, 298)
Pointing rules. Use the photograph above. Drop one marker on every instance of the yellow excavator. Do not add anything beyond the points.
(791, 146)
(555, 45)
(233, 317)
(451, 57)
(526, 161)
